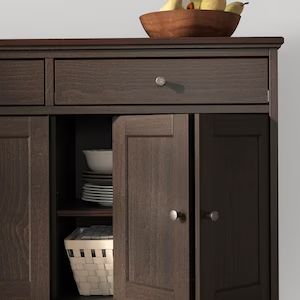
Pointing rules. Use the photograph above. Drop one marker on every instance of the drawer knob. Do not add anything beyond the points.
(175, 215)
(212, 216)
(160, 81)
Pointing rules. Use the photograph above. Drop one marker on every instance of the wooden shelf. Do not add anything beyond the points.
(87, 298)
(81, 209)
(77, 297)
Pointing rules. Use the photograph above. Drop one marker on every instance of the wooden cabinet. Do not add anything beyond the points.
(24, 212)
(151, 179)
(21, 82)
(188, 81)
(234, 182)
(193, 128)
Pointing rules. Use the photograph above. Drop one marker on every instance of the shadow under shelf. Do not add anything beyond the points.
(80, 208)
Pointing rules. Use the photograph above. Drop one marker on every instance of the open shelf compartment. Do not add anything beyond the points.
(70, 135)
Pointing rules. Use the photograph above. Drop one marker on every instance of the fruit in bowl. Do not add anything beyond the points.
(201, 18)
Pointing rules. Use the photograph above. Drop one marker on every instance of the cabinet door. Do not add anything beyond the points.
(24, 253)
(234, 181)
(151, 178)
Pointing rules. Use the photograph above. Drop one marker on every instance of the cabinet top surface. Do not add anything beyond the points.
(205, 42)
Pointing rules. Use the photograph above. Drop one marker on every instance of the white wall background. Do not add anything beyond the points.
(99, 19)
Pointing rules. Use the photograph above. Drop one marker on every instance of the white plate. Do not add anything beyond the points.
(91, 200)
(98, 192)
(99, 201)
(98, 186)
(96, 178)
(97, 198)
(109, 189)
(93, 193)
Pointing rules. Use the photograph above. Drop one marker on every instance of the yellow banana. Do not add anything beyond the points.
(171, 5)
(213, 4)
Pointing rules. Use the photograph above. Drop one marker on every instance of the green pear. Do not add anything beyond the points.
(172, 5)
(197, 4)
(235, 7)
(213, 4)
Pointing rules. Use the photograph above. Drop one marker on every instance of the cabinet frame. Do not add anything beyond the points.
(50, 50)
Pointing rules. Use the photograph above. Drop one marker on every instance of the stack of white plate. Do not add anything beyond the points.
(101, 194)
(97, 178)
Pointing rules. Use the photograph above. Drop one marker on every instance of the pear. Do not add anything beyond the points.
(190, 6)
(213, 4)
(197, 4)
(171, 5)
(236, 7)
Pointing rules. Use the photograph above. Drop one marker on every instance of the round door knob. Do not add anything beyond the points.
(175, 215)
(213, 216)
(160, 81)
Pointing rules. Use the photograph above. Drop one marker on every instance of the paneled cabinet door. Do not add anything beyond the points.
(233, 207)
(151, 179)
(24, 208)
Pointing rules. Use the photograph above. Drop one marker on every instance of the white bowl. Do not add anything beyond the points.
(99, 161)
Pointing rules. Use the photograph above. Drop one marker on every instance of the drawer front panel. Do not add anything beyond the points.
(22, 82)
(189, 81)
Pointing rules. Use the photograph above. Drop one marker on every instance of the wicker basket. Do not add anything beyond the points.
(92, 264)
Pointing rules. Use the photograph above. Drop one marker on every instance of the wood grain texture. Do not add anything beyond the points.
(85, 298)
(24, 229)
(78, 209)
(129, 42)
(273, 114)
(134, 109)
(167, 51)
(150, 179)
(197, 206)
(234, 180)
(189, 81)
(21, 82)
(49, 81)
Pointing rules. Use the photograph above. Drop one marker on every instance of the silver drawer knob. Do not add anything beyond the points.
(160, 81)
(175, 215)
(213, 216)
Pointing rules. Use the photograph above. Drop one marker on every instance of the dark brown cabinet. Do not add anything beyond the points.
(234, 181)
(193, 128)
(151, 179)
(107, 81)
(22, 82)
(24, 208)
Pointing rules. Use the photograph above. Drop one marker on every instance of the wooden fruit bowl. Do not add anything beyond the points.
(189, 23)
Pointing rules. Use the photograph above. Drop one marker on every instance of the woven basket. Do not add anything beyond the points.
(92, 264)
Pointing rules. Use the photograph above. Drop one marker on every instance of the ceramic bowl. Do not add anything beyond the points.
(99, 161)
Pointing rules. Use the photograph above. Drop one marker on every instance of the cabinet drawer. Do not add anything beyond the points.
(21, 82)
(189, 81)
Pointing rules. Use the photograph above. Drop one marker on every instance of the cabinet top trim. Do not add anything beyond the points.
(205, 42)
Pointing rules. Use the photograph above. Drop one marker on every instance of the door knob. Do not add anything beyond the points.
(175, 215)
(212, 216)
(160, 81)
